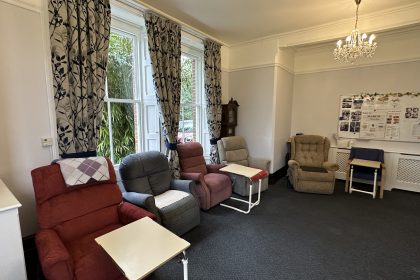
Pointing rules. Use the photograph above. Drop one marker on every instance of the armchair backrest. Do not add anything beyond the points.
(191, 158)
(233, 149)
(146, 172)
(310, 150)
(367, 154)
(78, 210)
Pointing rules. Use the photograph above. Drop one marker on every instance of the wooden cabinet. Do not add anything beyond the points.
(229, 118)
(12, 262)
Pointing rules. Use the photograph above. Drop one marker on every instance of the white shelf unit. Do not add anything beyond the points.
(12, 260)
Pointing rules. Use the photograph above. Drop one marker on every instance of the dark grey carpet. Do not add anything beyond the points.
(293, 235)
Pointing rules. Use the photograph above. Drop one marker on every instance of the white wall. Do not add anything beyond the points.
(316, 97)
(24, 115)
(282, 108)
(253, 89)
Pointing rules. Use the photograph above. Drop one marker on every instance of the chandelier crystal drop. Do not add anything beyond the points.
(356, 45)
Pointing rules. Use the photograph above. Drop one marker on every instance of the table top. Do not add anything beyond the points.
(366, 163)
(7, 199)
(241, 170)
(141, 247)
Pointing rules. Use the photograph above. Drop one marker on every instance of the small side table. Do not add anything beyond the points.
(375, 165)
(142, 246)
(253, 174)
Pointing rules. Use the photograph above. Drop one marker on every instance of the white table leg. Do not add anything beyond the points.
(185, 265)
(374, 183)
(351, 179)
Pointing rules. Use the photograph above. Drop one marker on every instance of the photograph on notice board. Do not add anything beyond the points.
(344, 126)
(357, 104)
(356, 115)
(346, 105)
(412, 113)
(346, 102)
(354, 126)
(345, 115)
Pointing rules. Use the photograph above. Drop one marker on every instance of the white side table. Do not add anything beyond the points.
(12, 262)
(253, 174)
(142, 246)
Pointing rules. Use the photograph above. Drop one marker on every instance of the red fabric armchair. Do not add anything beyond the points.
(212, 186)
(70, 218)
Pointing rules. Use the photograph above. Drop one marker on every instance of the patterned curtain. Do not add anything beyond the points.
(79, 34)
(164, 39)
(212, 80)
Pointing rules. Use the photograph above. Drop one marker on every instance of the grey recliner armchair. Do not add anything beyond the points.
(309, 169)
(233, 149)
(146, 182)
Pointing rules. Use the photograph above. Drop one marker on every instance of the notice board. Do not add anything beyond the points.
(390, 116)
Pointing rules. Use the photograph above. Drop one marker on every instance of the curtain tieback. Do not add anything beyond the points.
(170, 146)
(213, 141)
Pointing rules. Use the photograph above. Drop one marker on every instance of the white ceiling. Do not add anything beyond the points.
(236, 21)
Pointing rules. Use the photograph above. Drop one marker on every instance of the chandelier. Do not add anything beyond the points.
(355, 45)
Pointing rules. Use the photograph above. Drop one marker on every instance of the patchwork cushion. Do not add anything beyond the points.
(80, 171)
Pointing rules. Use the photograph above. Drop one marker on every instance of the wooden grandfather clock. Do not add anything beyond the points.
(229, 118)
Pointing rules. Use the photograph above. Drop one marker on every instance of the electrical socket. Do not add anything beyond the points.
(47, 142)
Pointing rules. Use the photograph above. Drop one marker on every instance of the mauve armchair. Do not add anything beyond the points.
(213, 186)
(69, 220)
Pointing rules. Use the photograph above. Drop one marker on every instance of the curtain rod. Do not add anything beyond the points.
(143, 7)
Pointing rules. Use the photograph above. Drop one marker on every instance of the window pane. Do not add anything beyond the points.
(188, 83)
(123, 130)
(104, 147)
(187, 130)
(120, 68)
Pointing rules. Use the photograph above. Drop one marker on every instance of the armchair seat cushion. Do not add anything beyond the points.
(217, 182)
(169, 197)
(90, 260)
(181, 215)
(316, 176)
(219, 186)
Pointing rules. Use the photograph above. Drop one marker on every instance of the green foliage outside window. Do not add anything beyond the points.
(120, 86)
(120, 74)
(186, 88)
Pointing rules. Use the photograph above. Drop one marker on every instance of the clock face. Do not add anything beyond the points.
(231, 116)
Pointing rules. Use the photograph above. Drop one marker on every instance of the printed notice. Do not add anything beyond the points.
(392, 132)
(372, 124)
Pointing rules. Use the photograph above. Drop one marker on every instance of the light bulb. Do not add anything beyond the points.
(348, 38)
(371, 38)
(364, 36)
(339, 43)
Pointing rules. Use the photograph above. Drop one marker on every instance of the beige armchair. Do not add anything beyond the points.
(309, 169)
(233, 149)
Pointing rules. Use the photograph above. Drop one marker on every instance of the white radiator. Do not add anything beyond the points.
(406, 172)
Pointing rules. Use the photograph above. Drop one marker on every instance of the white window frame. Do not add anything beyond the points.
(127, 19)
(189, 50)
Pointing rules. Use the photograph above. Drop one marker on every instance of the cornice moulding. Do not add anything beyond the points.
(373, 22)
(349, 66)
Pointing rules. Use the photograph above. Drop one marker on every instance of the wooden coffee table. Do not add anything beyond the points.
(142, 246)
